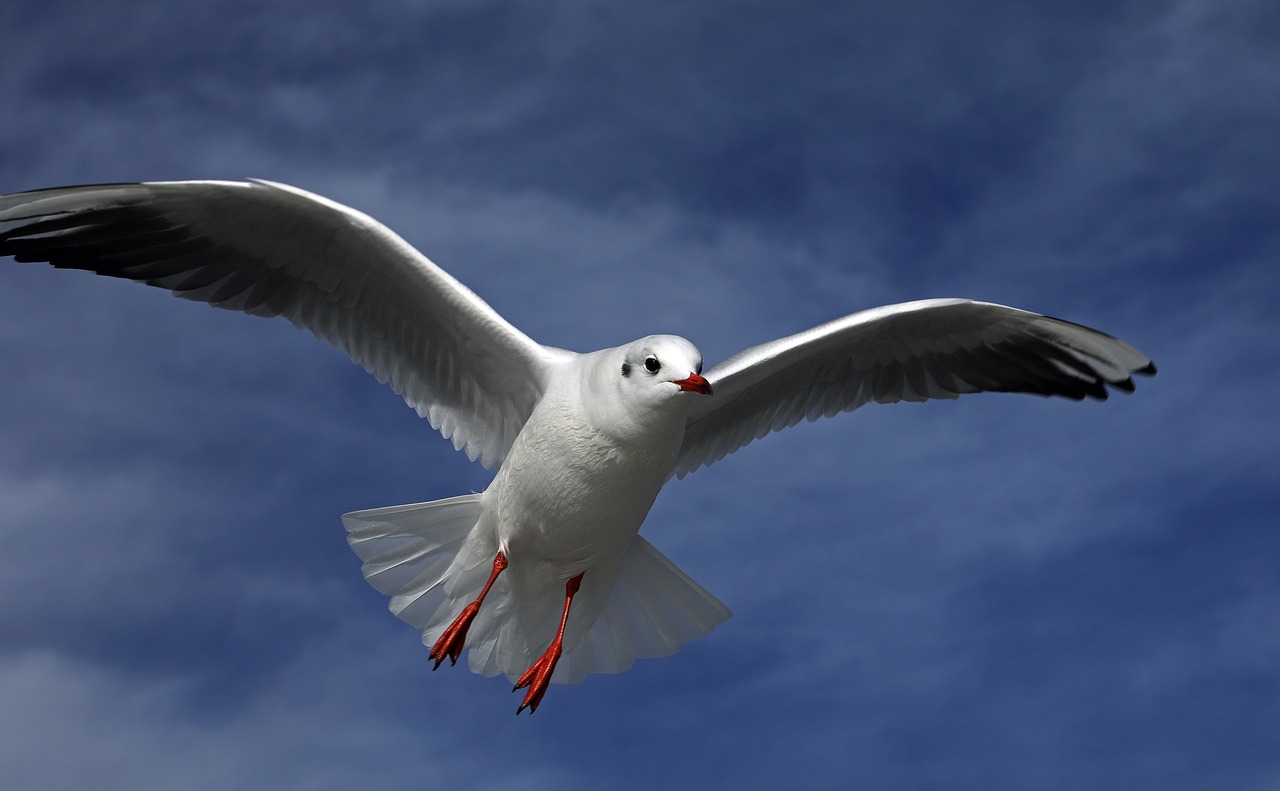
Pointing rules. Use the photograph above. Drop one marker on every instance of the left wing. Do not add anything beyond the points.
(936, 348)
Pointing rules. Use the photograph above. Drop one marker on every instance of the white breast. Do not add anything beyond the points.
(569, 497)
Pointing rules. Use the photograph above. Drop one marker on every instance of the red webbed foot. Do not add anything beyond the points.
(452, 640)
(538, 677)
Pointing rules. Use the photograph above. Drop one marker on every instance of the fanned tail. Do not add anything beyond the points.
(429, 560)
(415, 553)
(653, 609)
(648, 609)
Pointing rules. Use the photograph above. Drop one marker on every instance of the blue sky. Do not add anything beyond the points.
(1001, 592)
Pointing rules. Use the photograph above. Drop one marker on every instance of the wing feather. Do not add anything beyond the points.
(273, 250)
(915, 351)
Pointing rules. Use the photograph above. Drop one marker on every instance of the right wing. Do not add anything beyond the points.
(273, 250)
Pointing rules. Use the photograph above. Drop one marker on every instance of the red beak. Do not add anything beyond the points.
(694, 384)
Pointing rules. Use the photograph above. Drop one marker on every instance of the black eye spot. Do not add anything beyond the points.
(699, 371)
(626, 369)
(652, 365)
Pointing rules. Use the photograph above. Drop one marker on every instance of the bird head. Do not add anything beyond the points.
(661, 367)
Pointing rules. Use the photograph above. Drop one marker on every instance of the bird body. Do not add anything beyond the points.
(569, 499)
(584, 471)
(543, 576)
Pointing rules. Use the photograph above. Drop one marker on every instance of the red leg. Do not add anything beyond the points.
(538, 676)
(450, 643)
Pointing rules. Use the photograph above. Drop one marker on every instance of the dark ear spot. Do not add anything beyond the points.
(626, 369)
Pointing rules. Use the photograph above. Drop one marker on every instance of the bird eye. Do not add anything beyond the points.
(699, 371)
(651, 364)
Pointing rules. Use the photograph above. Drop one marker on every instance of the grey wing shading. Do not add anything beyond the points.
(273, 250)
(915, 351)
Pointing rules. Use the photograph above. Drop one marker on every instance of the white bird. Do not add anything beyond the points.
(543, 575)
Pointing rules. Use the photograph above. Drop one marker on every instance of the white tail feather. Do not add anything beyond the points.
(421, 557)
(409, 550)
(652, 610)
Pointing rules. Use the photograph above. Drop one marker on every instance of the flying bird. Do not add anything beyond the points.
(543, 576)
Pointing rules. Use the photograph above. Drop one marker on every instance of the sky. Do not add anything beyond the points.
(999, 592)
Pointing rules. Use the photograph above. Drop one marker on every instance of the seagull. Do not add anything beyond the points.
(543, 576)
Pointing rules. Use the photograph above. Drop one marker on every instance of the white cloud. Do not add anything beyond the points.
(309, 728)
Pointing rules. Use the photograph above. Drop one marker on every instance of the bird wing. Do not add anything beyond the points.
(937, 348)
(274, 250)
